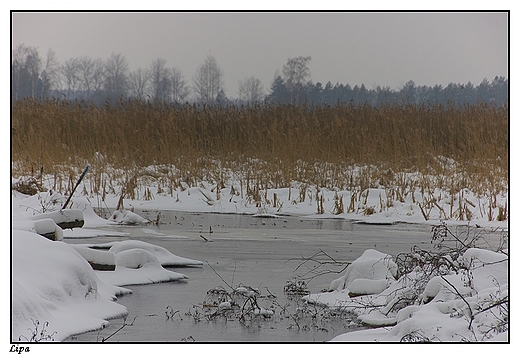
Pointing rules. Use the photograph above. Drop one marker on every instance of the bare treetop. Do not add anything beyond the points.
(208, 80)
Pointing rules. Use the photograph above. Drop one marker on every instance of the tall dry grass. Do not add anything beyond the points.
(268, 144)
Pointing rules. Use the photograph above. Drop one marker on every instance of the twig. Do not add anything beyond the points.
(320, 263)
(205, 239)
(123, 326)
(471, 315)
(233, 277)
(502, 301)
(225, 282)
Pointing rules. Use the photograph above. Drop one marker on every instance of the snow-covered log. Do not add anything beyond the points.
(66, 219)
(98, 260)
(48, 228)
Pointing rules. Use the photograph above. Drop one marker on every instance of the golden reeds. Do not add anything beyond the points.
(267, 145)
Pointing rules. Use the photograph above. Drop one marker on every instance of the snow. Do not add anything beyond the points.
(47, 226)
(138, 266)
(127, 217)
(381, 205)
(54, 281)
(370, 271)
(61, 216)
(164, 257)
(460, 306)
(25, 207)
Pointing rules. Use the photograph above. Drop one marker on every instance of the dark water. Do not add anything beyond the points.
(263, 253)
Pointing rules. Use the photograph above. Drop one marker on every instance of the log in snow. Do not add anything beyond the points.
(48, 228)
(98, 260)
(66, 219)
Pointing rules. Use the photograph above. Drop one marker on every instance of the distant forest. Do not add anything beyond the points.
(105, 81)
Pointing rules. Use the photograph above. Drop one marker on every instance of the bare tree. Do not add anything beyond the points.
(17, 70)
(208, 80)
(116, 79)
(98, 79)
(26, 69)
(295, 74)
(138, 84)
(50, 74)
(250, 90)
(85, 73)
(158, 74)
(33, 64)
(71, 77)
(178, 88)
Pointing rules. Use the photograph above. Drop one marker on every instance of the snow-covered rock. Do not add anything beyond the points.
(224, 305)
(367, 286)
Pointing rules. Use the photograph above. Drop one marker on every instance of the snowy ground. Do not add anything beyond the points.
(53, 283)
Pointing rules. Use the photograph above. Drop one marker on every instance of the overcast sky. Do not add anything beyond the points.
(386, 49)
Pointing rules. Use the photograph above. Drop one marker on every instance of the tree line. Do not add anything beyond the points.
(108, 80)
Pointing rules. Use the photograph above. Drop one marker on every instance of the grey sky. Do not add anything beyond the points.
(386, 49)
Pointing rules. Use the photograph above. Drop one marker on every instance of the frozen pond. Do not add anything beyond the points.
(259, 252)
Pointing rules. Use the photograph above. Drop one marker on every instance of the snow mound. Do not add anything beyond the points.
(128, 218)
(136, 258)
(53, 284)
(138, 266)
(48, 227)
(371, 273)
(165, 257)
(89, 215)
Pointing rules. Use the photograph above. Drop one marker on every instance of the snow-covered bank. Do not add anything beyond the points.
(464, 299)
(372, 194)
(55, 291)
(52, 283)
(373, 205)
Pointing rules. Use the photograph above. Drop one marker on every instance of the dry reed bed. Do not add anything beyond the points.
(345, 147)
